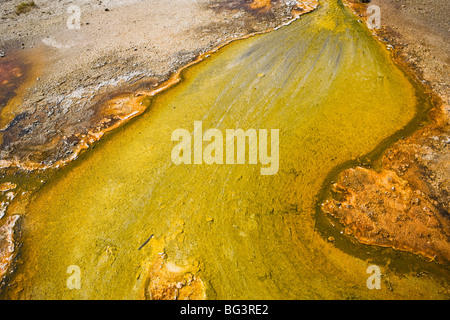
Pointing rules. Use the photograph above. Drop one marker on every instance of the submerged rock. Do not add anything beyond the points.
(166, 281)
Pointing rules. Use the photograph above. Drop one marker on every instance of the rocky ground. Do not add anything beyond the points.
(405, 204)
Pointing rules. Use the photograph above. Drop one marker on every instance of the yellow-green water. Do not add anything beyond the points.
(333, 93)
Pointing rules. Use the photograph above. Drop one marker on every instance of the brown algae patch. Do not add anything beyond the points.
(12, 75)
(261, 5)
(6, 186)
(166, 281)
(304, 7)
(18, 72)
